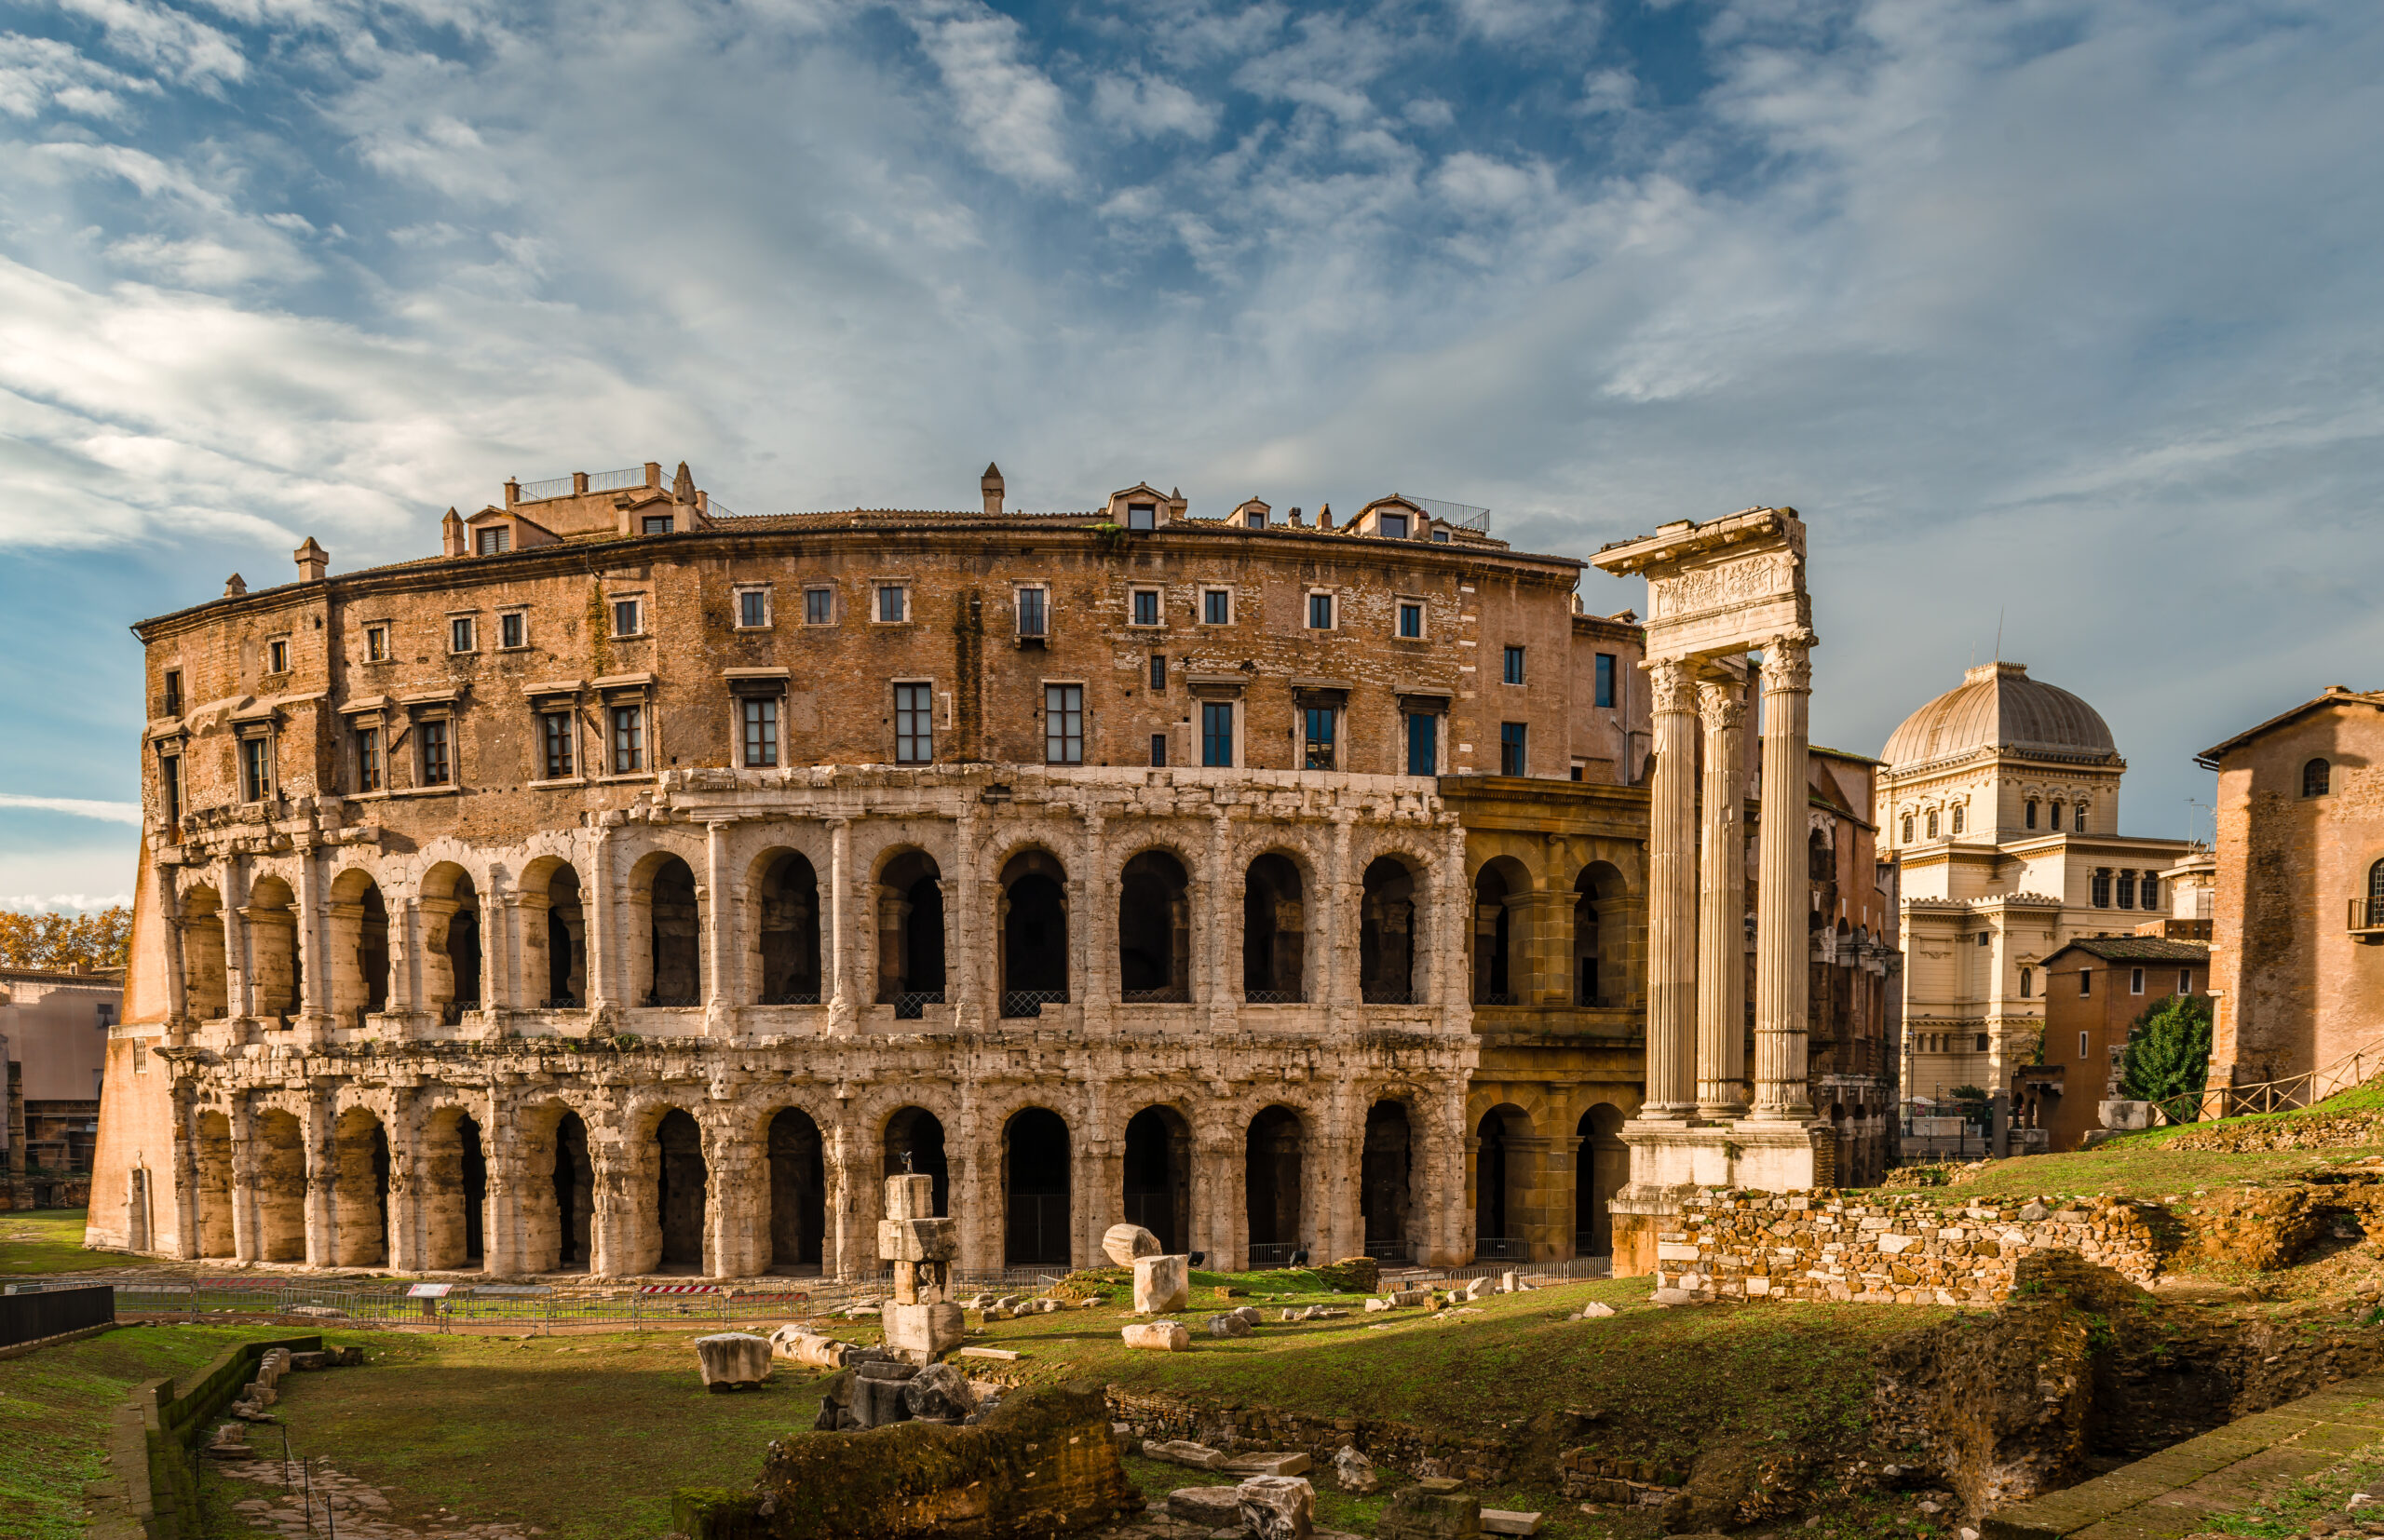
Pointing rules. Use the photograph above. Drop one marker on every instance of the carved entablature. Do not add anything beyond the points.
(1720, 587)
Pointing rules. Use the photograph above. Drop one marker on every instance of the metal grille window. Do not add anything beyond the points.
(893, 603)
(438, 767)
(2375, 894)
(1320, 611)
(1158, 673)
(511, 630)
(2317, 778)
(753, 608)
(1032, 618)
(1063, 724)
(1511, 748)
(368, 758)
(627, 615)
(1146, 606)
(1423, 743)
(761, 733)
(554, 744)
(913, 722)
(1318, 725)
(461, 635)
(1410, 618)
(1158, 751)
(629, 739)
(1216, 606)
(1216, 732)
(1511, 669)
(256, 769)
(819, 606)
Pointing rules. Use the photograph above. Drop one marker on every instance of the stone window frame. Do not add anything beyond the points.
(520, 614)
(878, 586)
(258, 774)
(465, 626)
(424, 718)
(893, 719)
(2317, 778)
(1226, 591)
(635, 692)
(1207, 690)
(1084, 720)
(276, 654)
(1514, 664)
(1018, 592)
(612, 602)
(372, 717)
(1400, 605)
(738, 594)
(750, 685)
(552, 701)
(380, 642)
(1158, 606)
(2135, 981)
(827, 588)
(1332, 598)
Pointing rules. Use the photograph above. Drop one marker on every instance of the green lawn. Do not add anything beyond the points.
(51, 1241)
(55, 1407)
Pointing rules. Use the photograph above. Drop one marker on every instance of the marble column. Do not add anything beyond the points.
(1721, 918)
(323, 1179)
(1672, 896)
(720, 932)
(246, 1246)
(601, 982)
(1782, 895)
(844, 1001)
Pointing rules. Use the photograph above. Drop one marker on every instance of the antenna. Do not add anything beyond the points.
(1999, 633)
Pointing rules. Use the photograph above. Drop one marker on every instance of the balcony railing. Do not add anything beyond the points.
(2367, 914)
(656, 997)
(1021, 1003)
(1382, 994)
(791, 998)
(911, 1005)
(1491, 997)
(1174, 994)
(1274, 997)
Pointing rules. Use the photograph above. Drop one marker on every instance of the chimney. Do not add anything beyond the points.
(991, 483)
(683, 486)
(653, 473)
(451, 534)
(1299, 519)
(314, 563)
(1324, 517)
(1175, 502)
(512, 491)
(235, 586)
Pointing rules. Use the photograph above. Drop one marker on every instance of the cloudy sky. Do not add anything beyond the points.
(2061, 315)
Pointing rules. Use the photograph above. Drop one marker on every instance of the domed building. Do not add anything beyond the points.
(1999, 801)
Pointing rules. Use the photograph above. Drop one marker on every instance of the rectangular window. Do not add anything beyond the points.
(1030, 616)
(512, 630)
(2102, 889)
(1423, 743)
(1512, 671)
(1411, 619)
(495, 542)
(256, 769)
(1605, 679)
(2028, 814)
(1320, 611)
(2148, 891)
(1146, 606)
(438, 767)
(2185, 981)
(174, 691)
(2081, 1045)
(1142, 516)
(913, 722)
(1985, 937)
(1158, 673)
(753, 608)
(761, 733)
(277, 657)
(1511, 748)
(2080, 818)
(1439, 537)
(1318, 724)
(1216, 732)
(1394, 526)
(2135, 981)
(629, 739)
(1254, 519)
(1216, 606)
(1158, 751)
(1578, 769)
(554, 744)
(819, 606)
(170, 786)
(2085, 982)
(461, 635)
(659, 523)
(377, 645)
(2127, 890)
(893, 603)
(368, 758)
(628, 616)
(1063, 724)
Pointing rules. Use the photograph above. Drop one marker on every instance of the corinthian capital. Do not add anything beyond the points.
(1787, 665)
(1723, 704)
(1674, 684)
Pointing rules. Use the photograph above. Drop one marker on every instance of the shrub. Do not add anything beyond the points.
(2167, 1057)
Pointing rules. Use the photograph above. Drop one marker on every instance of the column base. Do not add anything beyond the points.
(1670, 1160)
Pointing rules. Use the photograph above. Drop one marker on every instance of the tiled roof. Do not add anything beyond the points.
(2337, 696)
(2138, 949)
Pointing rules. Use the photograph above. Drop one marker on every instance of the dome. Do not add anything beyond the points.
(1998, 706)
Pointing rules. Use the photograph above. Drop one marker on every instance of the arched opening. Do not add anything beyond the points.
(798, 1193)
(1597, 926)
(1154, 929)
(215, 1161)
(1601, 1166)
(1384, 1173)
(1271, 1186)
(1035, 934)
(673, 935)
(910, 934)
(1034, 1189)
(559, 1202)
(679, 1192)
(451, 924)
(554, 936)
(1159, 1175)
(203, 993)
(787, 939)
(273, 950)
(359, 1190)
(281, 1187)
(1498, 973)
(454, 1193)
(358, 948)
(914, 1147)
(1387, 933)
(1502, 1186)
(1274, 933)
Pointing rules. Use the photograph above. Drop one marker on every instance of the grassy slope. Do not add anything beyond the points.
(55, 1407)
(50, 1240)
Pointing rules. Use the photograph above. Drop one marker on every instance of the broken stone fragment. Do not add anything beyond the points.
(1271, 1463)
(1425, 1512)
(1355, 1473)
(1228, 1326)
(1211, 1507)
(1279, 1508)
(1127, 1244)
(922, 1333)
(1183, 1451)
(1157, 1336)
(1162, 1284)
(938, 1393)
(733, 1361)
(1247, 1313)
(1594, 1310)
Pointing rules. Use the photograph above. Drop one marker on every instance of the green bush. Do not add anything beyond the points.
(2168, 1055)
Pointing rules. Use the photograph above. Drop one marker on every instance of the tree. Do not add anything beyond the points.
(62, 942)
(2168, 1056)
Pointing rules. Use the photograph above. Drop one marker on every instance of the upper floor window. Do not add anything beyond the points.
(1034, 605)
(1961, 810)
(1146, 606)
(1907, 829)
(893, 603)
(1605, 679)
(2317, 778)
(1932, 823)
(2056, 818)
(2376, 894)
(1316, 722)
(914, 722)
(1063, 724)
(554, 745)
(1142, 516)
(629, 739)
(277, 657)
(1320, 611)
(2078, 817)
(2185, 981)
(659, 523)
(438, 761)
(2148, 891)
(1439, 537)
(2102, 888)
(1158, 673)
(496, 541)
(2085, 981)
(1393, 526)
(257, 768)
(1216, 732)
(512, 630)
(2029, 812)
(367, 742)
(1510, 669)
(1423, 743)
(761, 722)
(1254, 519)
(2127, 890)
(2028, 983)
(819, 606)
(2081, 1045)
(377, 645)
(173, 693)
(1158, 751)
(1511, 748)
(753, 608)
(1411, 619)
(629, 616)
(169, 787)
(1216, 605)
(1986, 937)
(463, 636)
(2136, 981)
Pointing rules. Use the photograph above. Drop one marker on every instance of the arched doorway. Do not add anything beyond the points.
(787, 940)
(1497, 973)
(910, 935)
(1387, 933)
(1034, 1189)
(914, 1147)
(203, 988)
(1035, 934)
(798, 1193)
(1274, 933)
(1600, 1167)
(359, 1190)
(674, 967)
(455, 1189)
(451, 919)
(275, 964)
(1385, 1197)
(1154, 929)
(1159, 1175)
(214, 1153)
(560, 1236)
(281, 1187)
(1597, 926)
(554, 937)
(1271, 1186)
(1502, 1186)
(679, 1180)
(359, 949)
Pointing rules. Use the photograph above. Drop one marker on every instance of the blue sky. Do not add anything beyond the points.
(2064, 311)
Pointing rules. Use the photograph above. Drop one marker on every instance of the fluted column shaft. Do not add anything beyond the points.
(1671, 896)
(1721, 917)
(1782, 895)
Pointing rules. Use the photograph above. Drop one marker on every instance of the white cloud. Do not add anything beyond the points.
(80, 903)
(1012, 111)
(112, 811)
(189, 50)
(36, 73)
(1147, 109)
